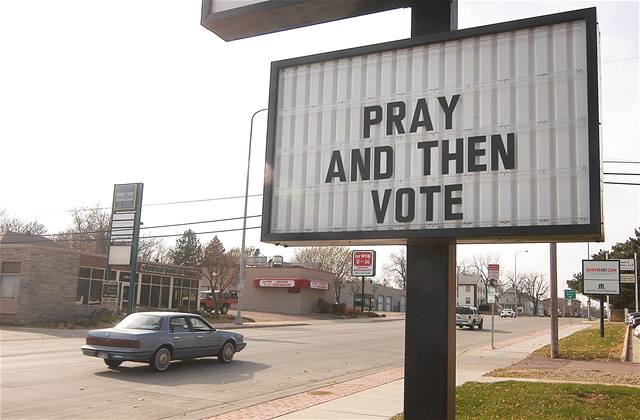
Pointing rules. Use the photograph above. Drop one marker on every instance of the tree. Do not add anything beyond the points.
(479, 265)
(517, 284)
(152, 249)
(334, 259)
(536, 288)
(15, 225)
(219, 268)
(397, 268)
(188, 250)
(88, 232)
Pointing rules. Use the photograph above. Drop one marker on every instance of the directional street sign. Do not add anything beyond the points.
(569, 294)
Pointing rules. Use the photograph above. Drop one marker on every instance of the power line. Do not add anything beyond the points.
(104, 240)
(634, 162)
(153, 227)
(622, 183)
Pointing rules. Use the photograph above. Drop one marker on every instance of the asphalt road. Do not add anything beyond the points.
(50, 378)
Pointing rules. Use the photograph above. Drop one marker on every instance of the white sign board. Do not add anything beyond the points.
(487, 132)
(601, 277)
(363, 263)
(321, 285)
(276, 283)
(627, 278)
(627, 264)
(491, 294)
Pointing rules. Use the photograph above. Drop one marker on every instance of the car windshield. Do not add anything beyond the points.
(141, 322)
(462, 310)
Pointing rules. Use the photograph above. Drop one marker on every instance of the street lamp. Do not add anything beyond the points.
(238, 320)
(515, 275)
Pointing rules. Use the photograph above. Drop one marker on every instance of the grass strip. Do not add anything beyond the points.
(535, 400)
(588, 345)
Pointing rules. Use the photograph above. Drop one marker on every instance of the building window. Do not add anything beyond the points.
(467, 289)
(154, 291)
(89, 289)
(467, 301)
(185, 294)
(10, 279)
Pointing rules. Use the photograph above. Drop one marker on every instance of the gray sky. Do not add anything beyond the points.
(95, 93)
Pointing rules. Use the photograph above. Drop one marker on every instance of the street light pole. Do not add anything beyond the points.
(238, 320)
(515, 275)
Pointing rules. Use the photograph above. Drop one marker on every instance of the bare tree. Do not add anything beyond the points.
(396, 269)
(15, 225)
(464, 267)
(88, 231)
(536, 288)
(153, 249)
(334, 259)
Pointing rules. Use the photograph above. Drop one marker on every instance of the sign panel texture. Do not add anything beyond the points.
(489, 135)
(363, 263)
(601, 277)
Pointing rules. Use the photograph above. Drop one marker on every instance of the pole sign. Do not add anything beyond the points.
(491, 294)
(124, 228)
(363, 263)
(569, 294)
(484, 134)
(601, 277)
(493, 273)
(627, 264)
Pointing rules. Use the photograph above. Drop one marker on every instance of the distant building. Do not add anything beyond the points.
(470, 290)
(522, 304)
(376, 297)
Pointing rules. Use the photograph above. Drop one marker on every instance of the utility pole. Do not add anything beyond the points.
(553, 260)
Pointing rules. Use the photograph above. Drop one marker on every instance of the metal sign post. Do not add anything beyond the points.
(494, 275)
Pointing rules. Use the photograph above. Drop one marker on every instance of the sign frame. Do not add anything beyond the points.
(592, 231)
(596, 293)
(371, 272)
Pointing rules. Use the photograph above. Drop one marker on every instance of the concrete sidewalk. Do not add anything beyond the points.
(380, 396)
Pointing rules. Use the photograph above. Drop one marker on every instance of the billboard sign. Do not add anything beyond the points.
(601, 277)
(627, 264)
(484, 135)
(363, 263)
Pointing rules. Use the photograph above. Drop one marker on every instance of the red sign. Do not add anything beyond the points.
(276, 283)
(364, 263)
(493, 271)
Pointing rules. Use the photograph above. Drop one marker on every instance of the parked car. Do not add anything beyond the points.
(468, 316)
(632, 318)
(507, 313)
(159, 337)
(225, 300)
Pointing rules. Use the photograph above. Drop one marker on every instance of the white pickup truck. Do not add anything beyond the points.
(468, 316)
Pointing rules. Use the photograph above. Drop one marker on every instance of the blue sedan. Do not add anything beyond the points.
(159, 337)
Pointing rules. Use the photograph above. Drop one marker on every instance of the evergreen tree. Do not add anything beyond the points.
(188, 250)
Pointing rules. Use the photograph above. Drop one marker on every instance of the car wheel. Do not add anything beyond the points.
(112, 363)
(160, 360)
(227, 352)
(224, 309)
(480, 324)
(473, 325)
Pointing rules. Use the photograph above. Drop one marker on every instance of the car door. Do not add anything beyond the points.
(207, 340)
(182, 338)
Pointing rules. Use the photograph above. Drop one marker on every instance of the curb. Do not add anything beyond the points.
(625, 346)
(244, 326)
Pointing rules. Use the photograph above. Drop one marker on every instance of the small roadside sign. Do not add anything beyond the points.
(491, 294)
(627, 278)
(601, 277)
(364, 263)
(569, 294)
(627, 264)
(493, 273)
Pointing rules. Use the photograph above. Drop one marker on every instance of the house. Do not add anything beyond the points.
(470, 290)
(521, 304)
(376, 297)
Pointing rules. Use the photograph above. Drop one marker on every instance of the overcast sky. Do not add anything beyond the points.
(94, 93)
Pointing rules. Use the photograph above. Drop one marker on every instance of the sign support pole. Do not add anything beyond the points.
(133, 281)
(362, 297)
(493, 310)
(635, 271)
(430, 353)
(602, 316)
(553, 262)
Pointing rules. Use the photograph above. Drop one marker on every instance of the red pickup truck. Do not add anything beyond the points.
(225, 300)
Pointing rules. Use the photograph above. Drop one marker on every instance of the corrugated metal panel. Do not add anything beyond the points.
(529, 82)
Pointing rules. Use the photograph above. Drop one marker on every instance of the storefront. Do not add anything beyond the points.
(42, 281)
